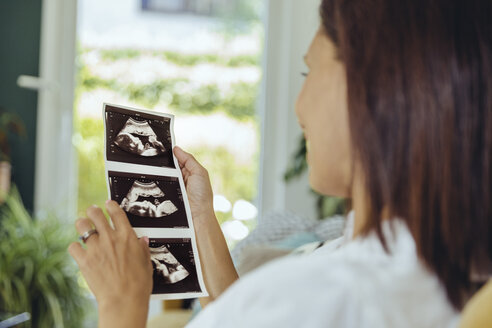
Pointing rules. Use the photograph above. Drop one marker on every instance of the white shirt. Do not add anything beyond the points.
(345, 283)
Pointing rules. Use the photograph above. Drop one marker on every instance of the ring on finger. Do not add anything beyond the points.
(86, 235)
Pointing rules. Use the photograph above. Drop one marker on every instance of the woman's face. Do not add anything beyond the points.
(322, 112)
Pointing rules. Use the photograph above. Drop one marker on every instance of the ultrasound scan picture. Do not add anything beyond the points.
(174, 266)
(138, 138)
(167, 266)
(149, 201)
(137, 201)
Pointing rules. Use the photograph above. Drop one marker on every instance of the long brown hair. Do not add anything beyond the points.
(419, 75)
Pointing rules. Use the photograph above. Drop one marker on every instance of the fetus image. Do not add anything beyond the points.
(166, 266)
(150, 201)
(137, 137)
(146, 199)
(173, 262)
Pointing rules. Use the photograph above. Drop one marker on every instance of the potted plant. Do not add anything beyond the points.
(37, 275)
(9, 124)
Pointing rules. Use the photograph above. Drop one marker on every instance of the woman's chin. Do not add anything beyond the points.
(323, 186)
(316, 183)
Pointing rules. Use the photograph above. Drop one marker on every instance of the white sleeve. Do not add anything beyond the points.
(291, 292)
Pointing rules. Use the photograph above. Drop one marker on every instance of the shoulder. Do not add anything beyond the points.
(356, 285)
(294, 291)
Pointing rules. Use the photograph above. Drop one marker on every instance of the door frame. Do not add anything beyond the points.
(289, 28)
(55, 186)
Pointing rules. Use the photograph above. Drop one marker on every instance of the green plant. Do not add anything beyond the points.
(182, 95)
(89, 142)
(192, 60)
(9, 123)
(229, 177)
(36, 273)
(117, 54)
(177, 58)
(326, 206)
(241, 102)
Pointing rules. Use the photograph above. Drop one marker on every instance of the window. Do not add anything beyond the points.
(201, 68)
(201, 7)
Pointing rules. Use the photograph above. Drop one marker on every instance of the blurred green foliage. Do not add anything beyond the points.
(181, 95)
(88, 81)
(192, 60)
(229, 178)
(89, 142)
(179, 59)
(118, 54)
(240, 103)
(37, 274)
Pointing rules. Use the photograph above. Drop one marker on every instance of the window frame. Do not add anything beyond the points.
(290, 26)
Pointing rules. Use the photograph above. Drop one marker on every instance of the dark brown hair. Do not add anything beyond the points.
(419, 79)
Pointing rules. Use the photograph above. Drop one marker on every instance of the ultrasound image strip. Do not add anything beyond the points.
(148, 200)
(145, 180)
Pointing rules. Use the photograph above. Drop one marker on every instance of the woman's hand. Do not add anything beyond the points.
(198, 187)
(116, 266)
(217, 267)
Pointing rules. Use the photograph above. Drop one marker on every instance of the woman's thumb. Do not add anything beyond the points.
(144, 241)
(188, 161)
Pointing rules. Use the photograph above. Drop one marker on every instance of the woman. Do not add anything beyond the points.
(397, 112)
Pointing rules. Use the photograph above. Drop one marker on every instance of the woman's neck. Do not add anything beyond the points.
(360, 201)
(359, 206)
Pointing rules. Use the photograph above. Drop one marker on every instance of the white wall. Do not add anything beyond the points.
(291, 25)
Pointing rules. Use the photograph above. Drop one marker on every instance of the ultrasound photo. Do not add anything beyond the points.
(174, 266)
(138, 138)
(148, 200)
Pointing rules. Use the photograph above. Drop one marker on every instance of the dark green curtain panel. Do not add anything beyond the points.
(20, 31)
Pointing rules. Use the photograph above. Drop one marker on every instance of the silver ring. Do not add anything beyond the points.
(86, 235)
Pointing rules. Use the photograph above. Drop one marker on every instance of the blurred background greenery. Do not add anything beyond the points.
(37, 275)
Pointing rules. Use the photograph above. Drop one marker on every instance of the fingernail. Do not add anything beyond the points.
(146, 239)
(108, 201)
